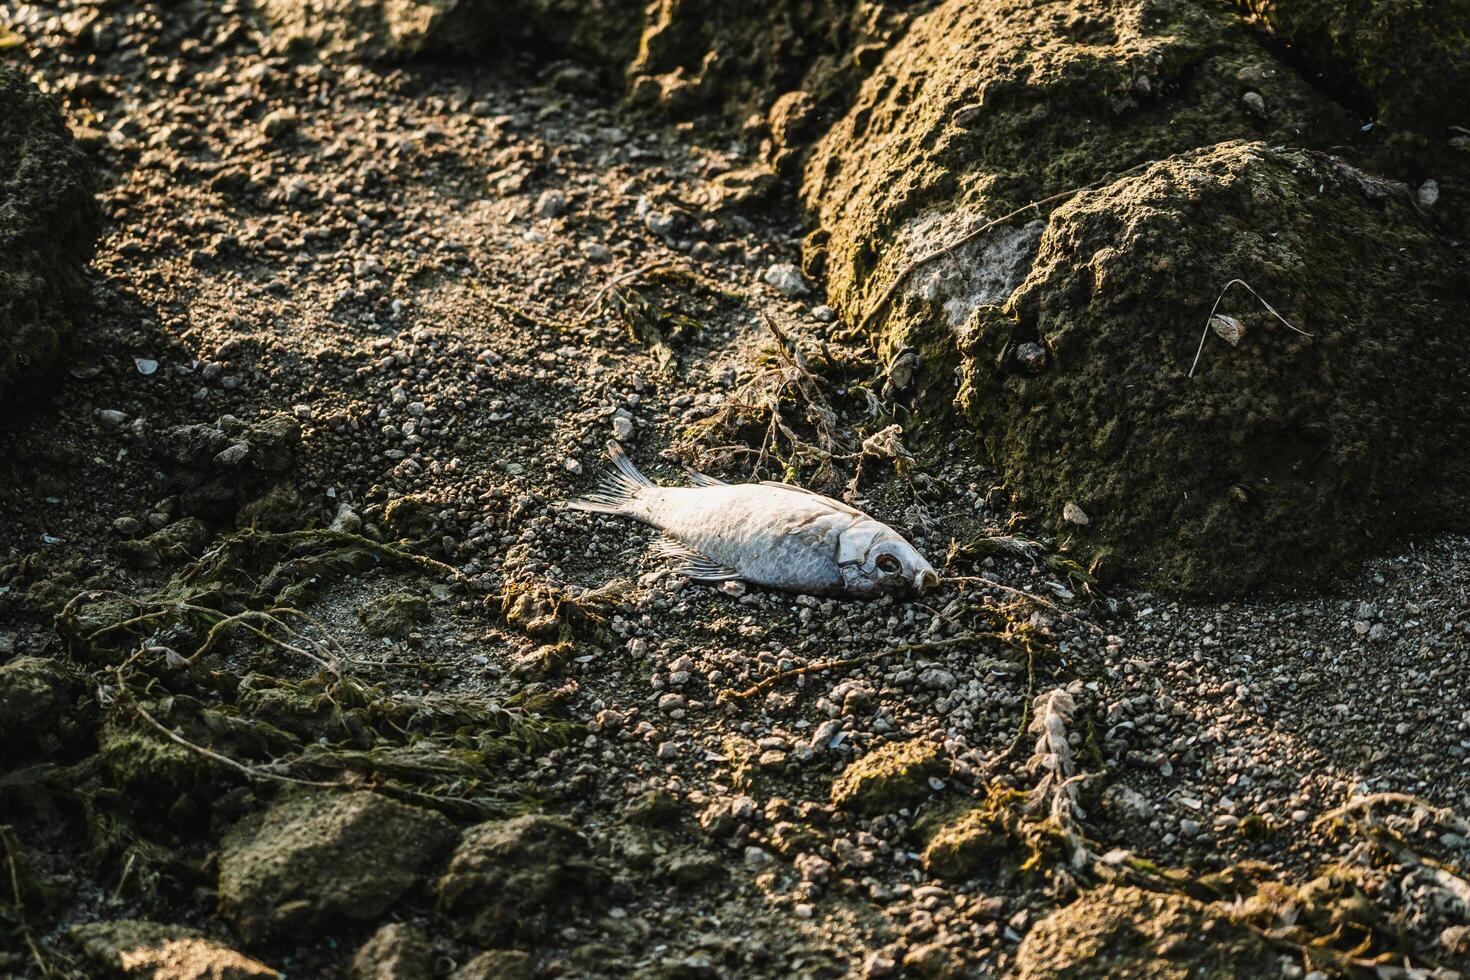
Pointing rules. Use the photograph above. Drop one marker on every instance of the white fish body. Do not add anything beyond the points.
(770, 534)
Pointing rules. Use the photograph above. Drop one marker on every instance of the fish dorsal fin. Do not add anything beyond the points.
(835, 504)
(705, 480)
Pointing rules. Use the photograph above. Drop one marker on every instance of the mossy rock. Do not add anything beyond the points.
(1070, 325)
(38, 709)
(154, 951)
(990, 839)
(149, 767)
(889, 778)
(395, 615)
(981, 109)
(1282, 458)
(1408, 60)
(321, 857)
(519, 879)
(397, 951)
(1116, 933)
(49, 221)
(737, 58)
(498, 964)
(603, 32)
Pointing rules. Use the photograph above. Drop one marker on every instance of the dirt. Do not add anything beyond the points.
(314, 676)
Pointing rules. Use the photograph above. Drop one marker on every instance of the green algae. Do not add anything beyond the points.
(891, 776)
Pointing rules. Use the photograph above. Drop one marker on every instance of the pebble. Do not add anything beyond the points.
(1429, 193)
(660, 223)
(623, 428)
(145, 365)
(1255, 103)
(551, 204)
(1073, 514)
(785, 279)
(824, 314)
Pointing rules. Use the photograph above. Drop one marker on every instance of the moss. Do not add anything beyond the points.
(516, 880)
(178, 542)
(988, 839)
(38, 711)
(888, 778)
(395, 615)
(1361, 45)
(136, 948)
(318, 858)
(51, 220)
(1117, 933)
(983, 108)
(1284, 457)
(736, 58)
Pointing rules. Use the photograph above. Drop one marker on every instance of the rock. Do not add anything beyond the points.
(394, 615)
(1289, 422)
(698, 55)
(396, 952)
(320, 857)
(1109, 282)
(1118, 933)
(279, 123)
(785, 279)
(180, 541)
(38, 710)
(890, 777)
(1365, 41)
(51, 221)
(216, 467)
(498, 964)
(517, 879)
(1126, 805)
(623, 428)
(551, 204)
(933, 961)
(152, 951)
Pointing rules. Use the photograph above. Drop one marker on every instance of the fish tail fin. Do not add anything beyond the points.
(618, 488)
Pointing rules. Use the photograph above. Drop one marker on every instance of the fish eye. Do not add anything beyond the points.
(889, 565)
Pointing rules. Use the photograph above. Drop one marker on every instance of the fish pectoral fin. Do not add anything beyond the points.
(692, 565)
(702, 569)
(705, 480)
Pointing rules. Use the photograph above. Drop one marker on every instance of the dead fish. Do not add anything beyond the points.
(771, 534)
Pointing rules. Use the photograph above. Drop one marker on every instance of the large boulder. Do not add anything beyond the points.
(49, 221)
(1117, 933)
(601, 31)
(1072, 325)
(1407, 63)
(1284, 455)
(319, 858)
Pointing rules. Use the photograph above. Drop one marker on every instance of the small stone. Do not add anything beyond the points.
(1073, 514)
(623, 428)
(1227, 328)
(111, 417)
(127, 526)
(596, 252)
(733, 587)
(1255, 104)
(145, 365)
(281, 122)
(879, 965)
(571, 465)
(1031, 357)
(1429, 193)
(660, 223)
(824, 314)
(756, 857)
(551, 204)
(786, 279)
(232, 455)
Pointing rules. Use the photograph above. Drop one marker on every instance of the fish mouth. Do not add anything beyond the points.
(925, 580)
